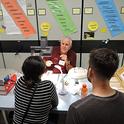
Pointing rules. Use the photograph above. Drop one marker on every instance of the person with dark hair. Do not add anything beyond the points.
(63, 56)
(104, 105)
(34, 98)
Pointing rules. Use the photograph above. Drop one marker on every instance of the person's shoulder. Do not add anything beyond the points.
(72, 52)
(47, 82)
(82, 102)
(21, 79)
(56, 47)
(120, 93)
(20, 83)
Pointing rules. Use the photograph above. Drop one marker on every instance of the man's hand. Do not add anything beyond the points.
(49, 63)
(63, 57)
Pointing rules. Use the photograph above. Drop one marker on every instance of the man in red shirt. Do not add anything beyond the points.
(63, 56)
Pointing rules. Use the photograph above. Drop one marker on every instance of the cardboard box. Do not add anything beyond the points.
(119, 74)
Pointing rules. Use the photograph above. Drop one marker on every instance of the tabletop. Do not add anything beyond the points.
(72, 90)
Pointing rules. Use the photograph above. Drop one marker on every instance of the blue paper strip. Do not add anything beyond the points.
(111, 16)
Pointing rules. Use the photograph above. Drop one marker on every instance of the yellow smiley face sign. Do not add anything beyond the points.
(45, 26)
(93, 26)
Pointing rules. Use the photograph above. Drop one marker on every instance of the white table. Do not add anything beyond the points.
(7, 101)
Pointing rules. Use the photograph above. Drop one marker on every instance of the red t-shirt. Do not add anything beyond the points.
(55, 57)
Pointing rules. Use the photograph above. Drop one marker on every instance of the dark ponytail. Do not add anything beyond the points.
(32, 68)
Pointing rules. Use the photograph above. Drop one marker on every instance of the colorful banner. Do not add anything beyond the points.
(62, 17)
(19, 17)
(11, 27)
(111, 16)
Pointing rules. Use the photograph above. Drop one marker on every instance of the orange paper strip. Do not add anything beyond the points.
(19, 17)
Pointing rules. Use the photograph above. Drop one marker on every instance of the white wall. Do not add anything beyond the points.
(15, 61)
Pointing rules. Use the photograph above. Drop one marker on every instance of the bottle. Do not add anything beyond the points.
(84, 90)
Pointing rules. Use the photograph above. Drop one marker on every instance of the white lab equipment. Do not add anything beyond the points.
(61, 80)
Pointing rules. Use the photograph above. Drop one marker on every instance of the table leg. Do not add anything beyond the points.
(4, 116)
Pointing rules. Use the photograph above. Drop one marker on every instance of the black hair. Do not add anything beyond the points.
(32, 68)
(104, 61)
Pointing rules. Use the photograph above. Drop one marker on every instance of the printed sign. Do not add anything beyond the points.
(19, 17)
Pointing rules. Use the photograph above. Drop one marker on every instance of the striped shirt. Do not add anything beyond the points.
(44, 99)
